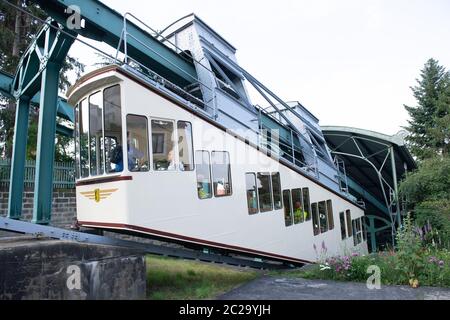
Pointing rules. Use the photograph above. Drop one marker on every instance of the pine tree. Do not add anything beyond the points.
(431, 86)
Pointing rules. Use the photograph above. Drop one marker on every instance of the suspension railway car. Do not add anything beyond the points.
(203, 166)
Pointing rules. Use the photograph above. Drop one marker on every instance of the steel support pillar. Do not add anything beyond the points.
(395, 181)
(18, 159)
(43, 189)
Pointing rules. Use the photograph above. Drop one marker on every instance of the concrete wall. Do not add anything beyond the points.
(58, 270)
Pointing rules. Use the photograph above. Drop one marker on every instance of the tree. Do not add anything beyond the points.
(423, 139)
(16, 32)
(428, 194)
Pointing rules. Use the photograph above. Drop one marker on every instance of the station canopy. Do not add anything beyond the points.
(372, 175)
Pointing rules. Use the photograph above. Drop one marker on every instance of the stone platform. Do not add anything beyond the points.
(33, 268)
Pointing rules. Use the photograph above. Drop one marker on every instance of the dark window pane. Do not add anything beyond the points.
(163, 143)
(349, 223)
(252, 193)
(276, 186)
(287, 208)
(77, 142)
(137, 143)
(323, 217)
(364, 227)
(355, 238)
(96, 133)
(113, 130)
(342, 221)
(330, 215)
(84, 138)
(202, 165)
(297, 203)
(315, 219)
(265, 192)
(185, 146)
(306, 204)
(221, 171)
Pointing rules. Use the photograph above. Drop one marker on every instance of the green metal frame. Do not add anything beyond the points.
(38, 70)
(373, 231)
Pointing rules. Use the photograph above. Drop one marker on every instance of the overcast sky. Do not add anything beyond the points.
(350, 62)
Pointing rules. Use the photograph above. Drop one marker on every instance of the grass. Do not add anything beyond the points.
(175, 279)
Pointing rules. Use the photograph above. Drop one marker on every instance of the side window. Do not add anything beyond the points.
(349, 223)
(297, 204)
(96, 133)
(77, 141)
(355, 240)
(306, 204)
(84, 138)
(359, 231)
(364, 228)
(315, 219)
(276, 187)
(342, 221)
(221, 171)
(252, 193)
(330, 215)
(264, 192)
(163, 145)
(113, 129)
(185, 146)
(287, 208)
(202, 164)
(323, 217)
(137, 144)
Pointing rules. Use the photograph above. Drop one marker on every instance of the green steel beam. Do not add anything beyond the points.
(65, 110)
(18, 160)
(105, 24)
(43, 188)
(352, 184)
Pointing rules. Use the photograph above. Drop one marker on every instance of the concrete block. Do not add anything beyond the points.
(58, 270)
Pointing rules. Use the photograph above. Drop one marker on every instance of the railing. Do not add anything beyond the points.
(208, 92)
(63, 174)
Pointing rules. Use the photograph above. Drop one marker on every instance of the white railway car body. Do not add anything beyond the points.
(183, 176)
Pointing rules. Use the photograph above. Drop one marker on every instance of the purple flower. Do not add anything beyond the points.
(355, 254)
(441, 263)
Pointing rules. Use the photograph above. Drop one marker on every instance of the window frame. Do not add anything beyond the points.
(309, 207)
(302, 217)
(315, 213)
(285, 207)
(120, 143)
(175, 145)
(348, 219)
(280, 189)
(343, 225)
(256, 192)
(148, 141)
(191, 143)
(209, 172)
(229, 174)
(269, 176)
(330, 215)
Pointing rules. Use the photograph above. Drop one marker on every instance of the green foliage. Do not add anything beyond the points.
(431, 94)
(409, 251)
(428, 193)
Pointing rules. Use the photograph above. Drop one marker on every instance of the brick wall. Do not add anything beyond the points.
(63, 207)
